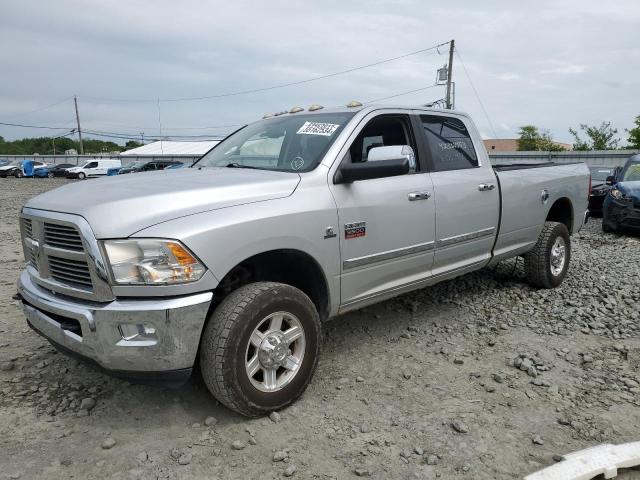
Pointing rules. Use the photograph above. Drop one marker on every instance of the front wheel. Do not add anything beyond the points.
(18, 174)
(547, 263)
(50, 174)
(260, 347)
(81, 176)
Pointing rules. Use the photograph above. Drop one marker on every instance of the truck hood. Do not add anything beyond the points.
(119, 206)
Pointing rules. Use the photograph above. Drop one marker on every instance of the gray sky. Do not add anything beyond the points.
(555, 64)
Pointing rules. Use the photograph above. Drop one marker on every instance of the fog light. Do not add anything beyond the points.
(137, 331)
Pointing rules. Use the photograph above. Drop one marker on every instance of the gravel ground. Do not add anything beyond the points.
(481, 377)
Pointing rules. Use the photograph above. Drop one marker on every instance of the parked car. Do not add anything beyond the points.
(93, 168)
(622, 204)
(240, 259)
(59, 170)
(17, 168)
(146, 166)
(599, 188)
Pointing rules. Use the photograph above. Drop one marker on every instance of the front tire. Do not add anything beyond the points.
(547, 263)
(81, 176)
(50, 174)
(260, 348)
(18, 174)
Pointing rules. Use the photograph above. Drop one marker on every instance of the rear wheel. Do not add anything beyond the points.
(547, 263)
(260, 347)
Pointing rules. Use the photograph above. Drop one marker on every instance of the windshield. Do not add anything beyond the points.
(631, 172)
(599, 173)
(288, 143)
(137, 164)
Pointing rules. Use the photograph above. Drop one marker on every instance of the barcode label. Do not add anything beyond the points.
(315, 128)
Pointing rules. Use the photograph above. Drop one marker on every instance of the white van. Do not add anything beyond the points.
(93, 168)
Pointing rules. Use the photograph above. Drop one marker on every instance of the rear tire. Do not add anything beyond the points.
(270, 329)
(547, 263)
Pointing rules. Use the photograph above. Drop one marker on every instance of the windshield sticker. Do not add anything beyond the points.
(297, 163)
(316, 128)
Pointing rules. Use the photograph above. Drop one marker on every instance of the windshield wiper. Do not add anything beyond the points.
(239, 165)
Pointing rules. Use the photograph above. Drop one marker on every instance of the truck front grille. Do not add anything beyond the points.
(72, 272)
(62, 236)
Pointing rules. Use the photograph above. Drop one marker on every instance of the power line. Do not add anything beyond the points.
(32, 126)
(43, 108)
(401, 94)
(484, 110)
(272, 87)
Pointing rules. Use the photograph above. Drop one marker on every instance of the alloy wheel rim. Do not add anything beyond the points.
(275, 352)
(558, 256)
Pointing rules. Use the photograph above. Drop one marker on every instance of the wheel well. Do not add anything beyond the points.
(562, 211)
(292, 267)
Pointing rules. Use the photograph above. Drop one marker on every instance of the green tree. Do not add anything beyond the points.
(634, 134)
(532, 139)
(132, 144)
(528, 140)
(601, 137)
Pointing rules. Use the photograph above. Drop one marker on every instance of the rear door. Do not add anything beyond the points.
(386, 225)
(466, 194)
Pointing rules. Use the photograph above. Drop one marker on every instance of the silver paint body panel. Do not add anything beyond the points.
(225, 216)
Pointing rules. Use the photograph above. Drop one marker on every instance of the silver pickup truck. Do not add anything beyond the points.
(236, 262)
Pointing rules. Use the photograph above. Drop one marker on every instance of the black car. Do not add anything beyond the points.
(621, 208)
(599, 188)
(59, 170)
(147, 166)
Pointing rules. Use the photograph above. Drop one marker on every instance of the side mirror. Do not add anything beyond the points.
(368, 170)
(610, 180)
(381, 162)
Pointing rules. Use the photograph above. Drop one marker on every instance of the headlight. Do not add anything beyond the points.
(618, 195)
(152, 262)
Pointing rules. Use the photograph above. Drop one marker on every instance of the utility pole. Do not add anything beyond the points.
(452, 47)
(75, 101)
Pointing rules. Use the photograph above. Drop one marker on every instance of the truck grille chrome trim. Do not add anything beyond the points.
(62, 236)
(63, 255)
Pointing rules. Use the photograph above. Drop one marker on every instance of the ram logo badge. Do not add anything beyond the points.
(355, 230)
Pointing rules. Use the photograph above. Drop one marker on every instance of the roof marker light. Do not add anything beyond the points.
(353, 104)
(315, 107)
(296, 110)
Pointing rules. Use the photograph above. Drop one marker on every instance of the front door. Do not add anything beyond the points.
(467, 197)
(386, 224)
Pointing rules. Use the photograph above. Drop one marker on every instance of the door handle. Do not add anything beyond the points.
(413, 196)
(483, 187)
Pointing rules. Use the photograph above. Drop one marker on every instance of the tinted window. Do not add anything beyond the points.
(382, 131)
(599, 173)
(449, 143)
(91, 165)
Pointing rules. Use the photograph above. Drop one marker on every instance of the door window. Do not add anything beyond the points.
(449, 143)
(91, 165)
(382, 131)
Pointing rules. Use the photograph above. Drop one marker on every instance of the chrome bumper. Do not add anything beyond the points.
(105, 333)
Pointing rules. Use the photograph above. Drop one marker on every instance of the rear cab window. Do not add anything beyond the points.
(448, 143)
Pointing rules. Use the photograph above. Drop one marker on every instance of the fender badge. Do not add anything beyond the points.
(329, 233)
(355, 230)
